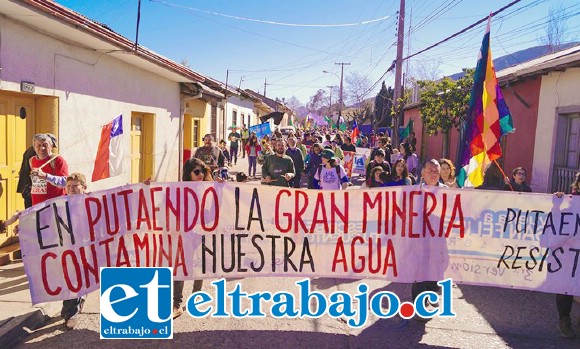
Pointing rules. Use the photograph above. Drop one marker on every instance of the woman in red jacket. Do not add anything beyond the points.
(48, 170)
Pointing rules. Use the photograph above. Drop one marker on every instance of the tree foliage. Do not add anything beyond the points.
(444, 103)
(556, 28)
(317, 101)
(298, 108)
(358, 114)
(356, 85)
(384, 105)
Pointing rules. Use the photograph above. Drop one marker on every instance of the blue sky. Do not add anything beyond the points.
(292, 58)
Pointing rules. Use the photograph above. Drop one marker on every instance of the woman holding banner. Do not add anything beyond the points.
(518, 181)
(564, 301)
(193, 170)
(374, 180)
(448, 173)
(400, 174)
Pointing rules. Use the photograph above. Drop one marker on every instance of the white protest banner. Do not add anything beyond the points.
(360, 160)
(213, 230)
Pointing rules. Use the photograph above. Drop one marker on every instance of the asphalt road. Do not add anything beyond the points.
(486, 318)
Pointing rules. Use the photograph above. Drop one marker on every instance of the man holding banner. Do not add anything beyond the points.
(278, 169)
(430, 173)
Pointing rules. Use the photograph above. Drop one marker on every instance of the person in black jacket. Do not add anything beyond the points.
(313, 160)
(24, 181)
(296, 155)
(379, 161)
(564, 302)
(347, 145)
(518, 181)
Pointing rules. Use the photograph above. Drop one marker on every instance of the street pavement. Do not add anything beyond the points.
(487, 317)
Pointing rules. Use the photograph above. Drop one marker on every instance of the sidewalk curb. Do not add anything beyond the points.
(14, 329)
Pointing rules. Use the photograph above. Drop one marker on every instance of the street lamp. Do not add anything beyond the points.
(339, 93)
(340, 88)
(330, 101)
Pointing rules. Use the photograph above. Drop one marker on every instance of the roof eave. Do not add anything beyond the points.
(83, 24)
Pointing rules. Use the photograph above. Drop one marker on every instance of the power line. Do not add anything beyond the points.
(442, 41)
(516, 34)
(469, 47)
(436, 14)
(272, 22)
(463, 30)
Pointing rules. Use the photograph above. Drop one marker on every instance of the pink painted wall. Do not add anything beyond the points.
(519, 146)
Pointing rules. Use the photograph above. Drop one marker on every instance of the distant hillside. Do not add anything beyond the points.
(499, 63)
(519, 57)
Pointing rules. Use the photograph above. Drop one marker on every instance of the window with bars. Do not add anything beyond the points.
(567, 151)
(573, 142)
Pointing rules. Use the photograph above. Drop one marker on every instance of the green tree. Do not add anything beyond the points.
(358, 114)
(383, 106)
(444, 105)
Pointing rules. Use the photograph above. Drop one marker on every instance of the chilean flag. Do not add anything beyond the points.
(109, 160)
(354, 134)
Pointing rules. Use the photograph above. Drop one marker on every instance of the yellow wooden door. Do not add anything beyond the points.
(136, 148)
(14, 111)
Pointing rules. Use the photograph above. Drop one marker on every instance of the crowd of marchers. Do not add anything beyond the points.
(311, 158)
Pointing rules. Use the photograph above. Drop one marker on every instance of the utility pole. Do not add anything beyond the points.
(398, 72)
(225, 104)
(330, 101)
(265, 87)
(406, 75)
(137, 29)
(340, 92)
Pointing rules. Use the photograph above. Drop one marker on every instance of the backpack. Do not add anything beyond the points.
(337, 168)
(215, 155)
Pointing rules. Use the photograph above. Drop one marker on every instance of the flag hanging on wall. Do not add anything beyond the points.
(109, 160)
(487, 120)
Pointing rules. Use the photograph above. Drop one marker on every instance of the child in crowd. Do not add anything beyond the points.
(76, 183)
(222, 145)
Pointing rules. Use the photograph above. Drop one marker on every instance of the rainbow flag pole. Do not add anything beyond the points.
(487, 120)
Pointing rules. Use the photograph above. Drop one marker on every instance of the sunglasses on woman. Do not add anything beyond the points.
(197, 171)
